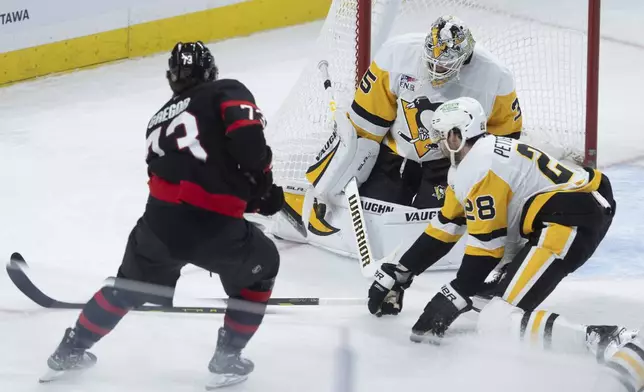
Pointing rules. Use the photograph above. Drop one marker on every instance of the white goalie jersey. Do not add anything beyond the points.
(395, 101)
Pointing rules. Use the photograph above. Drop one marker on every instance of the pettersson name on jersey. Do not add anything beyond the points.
(169, 112)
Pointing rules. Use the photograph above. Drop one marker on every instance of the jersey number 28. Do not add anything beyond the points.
(484, 209)
(556, 172)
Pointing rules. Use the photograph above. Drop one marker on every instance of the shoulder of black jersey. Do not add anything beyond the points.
(232, 89)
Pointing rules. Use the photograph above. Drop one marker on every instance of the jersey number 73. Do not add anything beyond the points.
(184, 123)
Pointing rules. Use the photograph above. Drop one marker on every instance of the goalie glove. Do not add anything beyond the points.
(439, 314)
(388, 288)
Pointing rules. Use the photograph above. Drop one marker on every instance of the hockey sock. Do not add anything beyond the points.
(101, 314)
(627, 365)
(550, 331)
(246, 311)
(540, 329)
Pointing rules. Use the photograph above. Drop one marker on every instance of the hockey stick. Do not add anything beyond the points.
(17, 271)
(407, 138)
(155, 290)
(294, 221)
(368, 264)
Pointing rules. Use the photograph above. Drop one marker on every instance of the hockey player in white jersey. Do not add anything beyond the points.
(382, 139)
(502, 189)
(391, 113)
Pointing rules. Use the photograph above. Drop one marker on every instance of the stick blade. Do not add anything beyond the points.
(16, 261)
(17, 271)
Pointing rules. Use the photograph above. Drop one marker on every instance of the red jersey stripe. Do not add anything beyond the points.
(242, 123)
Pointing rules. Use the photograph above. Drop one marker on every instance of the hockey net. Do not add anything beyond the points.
(546, 49)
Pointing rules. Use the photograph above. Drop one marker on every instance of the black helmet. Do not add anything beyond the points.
(190, 63)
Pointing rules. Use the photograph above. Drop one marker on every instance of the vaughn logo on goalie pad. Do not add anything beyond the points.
(420, 216)
(327, 145)
(375, 207)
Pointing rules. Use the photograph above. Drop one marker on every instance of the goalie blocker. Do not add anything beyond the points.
(344, 156)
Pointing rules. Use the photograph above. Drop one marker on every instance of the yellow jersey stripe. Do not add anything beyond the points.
(535, 206)
(557, 238)
(492, 244)
(474, 251)
(538, 201)
(442, 235)
(361, 132)
(533, 266)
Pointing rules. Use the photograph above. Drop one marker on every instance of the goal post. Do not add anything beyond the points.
(551, 47)
(592, 83)
(363, 38)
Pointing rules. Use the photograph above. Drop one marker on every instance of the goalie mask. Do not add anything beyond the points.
(447, 46)
(464, 116)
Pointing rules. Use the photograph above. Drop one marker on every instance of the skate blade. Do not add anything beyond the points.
(426, 338)
(224, 380)
(53, 375)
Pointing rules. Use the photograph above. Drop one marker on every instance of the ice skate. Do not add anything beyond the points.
(604, 340)
(227, 366)
(69, 357)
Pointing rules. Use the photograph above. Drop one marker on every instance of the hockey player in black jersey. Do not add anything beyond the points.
(208, 163)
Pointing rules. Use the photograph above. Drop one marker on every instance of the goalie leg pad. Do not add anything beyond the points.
(343, 157)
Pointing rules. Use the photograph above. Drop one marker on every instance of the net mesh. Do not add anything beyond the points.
(548, 60)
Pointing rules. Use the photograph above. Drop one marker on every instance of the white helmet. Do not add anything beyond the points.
(448, 45)
(463, 114)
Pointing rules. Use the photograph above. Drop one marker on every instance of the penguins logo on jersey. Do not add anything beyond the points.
(419, 129)
(439, 192)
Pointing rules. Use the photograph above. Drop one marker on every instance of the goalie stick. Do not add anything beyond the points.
(17, 271)
(368, 265)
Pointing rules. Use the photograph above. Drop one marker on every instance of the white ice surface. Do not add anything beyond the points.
(73, 184)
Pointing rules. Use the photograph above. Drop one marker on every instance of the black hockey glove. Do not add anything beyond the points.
(439, 314)
(261, 180)
(260, 183)
(269, 204)
(388, 288)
